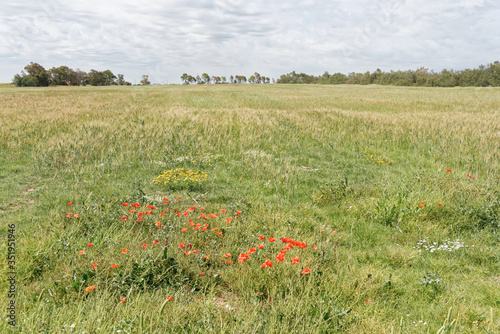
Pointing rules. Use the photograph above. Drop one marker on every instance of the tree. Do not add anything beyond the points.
(251, 79)
(96, 78)
(23, 80)
(38, 74)
(231, 79)
(185, 78)
(223, 79)
(145, 80)
(81, 77)
(121, 80)
(206, 78)
(257, 77)
(62, 75)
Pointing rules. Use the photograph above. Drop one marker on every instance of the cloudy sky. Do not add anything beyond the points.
(166, 38)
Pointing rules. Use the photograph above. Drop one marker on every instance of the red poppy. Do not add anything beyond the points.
(123, 300)
(280, 257)
(90, 244)
(261, 237)
(295, 259)
(82, 252)
(367, 300)
(94, 265)
(440, 204)
(90, 288)
(448, 171)
(219, 233)
(172, 297)
(305, 271)
(187, 252)
(124, 251)
(229, 220)
(223, 210)
(228, 261)
(315, 247)
(227, 255)
(206, 256)
(272, 239)
(124, 218)
(251, 250)
(184, 230)
(195, 251)
(182, 245)
(145, 245)
(260, 246)
(237, 213)
(114, 266)
(420, 206)
(155, 242)
(70, 203)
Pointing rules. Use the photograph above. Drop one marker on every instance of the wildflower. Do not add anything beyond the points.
(261, 237)
(422, 202)
(227, 255)
(448, 171)
(420, 206)
(90, 288)
(223, 210)
(125, 204)
(267, 263)
(144, 245)
(77, 216)
(123, 300)
(184, 230)
(367, 300)
(204, 229)
(333, 232)
(124, 218)
(94, 265)
(185, 214)
(155, 242)
(90, 244)
(206, 256)
(70, 203)
(229, 220)
(82, 252)
(187, 252)
(251, 250)
(440, 204)
(260, 246)
(215, 229)
(162, 214)
(114, 266)
(305, 271)
(195, 251)
(295, 259)
(219, 233)
(201, 272)
(237, 213)
(322, 231)
(182, 245)
(124, 251)
(280, 257)
(228, 261)
(315, 247)
(272, 239)
(69, 215)
(172, 297)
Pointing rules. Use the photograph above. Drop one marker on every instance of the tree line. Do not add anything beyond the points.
(483, 76)
(255, 78)
(37, 76)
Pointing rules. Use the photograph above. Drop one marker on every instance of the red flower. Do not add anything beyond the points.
(228, 261)
(182, 245)
(272, 239)
(94, 265)
(448, 171)
(123, 300)
(261, 237)
(267, 263)
(280, 257)
(315, 247)
(206, 256)
(227, 255)
(82, 252)
(184, 230)
(90, 244)
(367, 300)
(172, 297)
(70, 203)
(219, 233)
(223, 210)
(295, 259)
(124, 218)
(155, 242)
(124, 251)
(440, 204)
(420, 206)
(114, 266)
(229, 220)
(90, 288)
(260, 246)
(145, 246)
(305, 271)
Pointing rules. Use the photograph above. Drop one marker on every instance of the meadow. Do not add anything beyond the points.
(251, 209)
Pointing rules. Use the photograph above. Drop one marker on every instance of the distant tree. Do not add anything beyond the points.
(251, 79)
(206, 78)
(223, 79)
(38, 74)
(145, 80)
(121, 80)
(23, 80)
(257, 77)
(198, 80)
(191, 79)
(62, 75)
(96, 78)
(231, 79)
(242, 78)
(268, 80)
(185, 78)
(81, 77)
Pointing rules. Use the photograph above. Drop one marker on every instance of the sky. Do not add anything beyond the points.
(166, 38)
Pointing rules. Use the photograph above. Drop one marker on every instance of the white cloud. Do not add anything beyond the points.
(222, 37)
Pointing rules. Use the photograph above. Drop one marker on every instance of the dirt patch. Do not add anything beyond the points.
(29, 190)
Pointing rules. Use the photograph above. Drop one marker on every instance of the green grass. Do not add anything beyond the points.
(353, 161)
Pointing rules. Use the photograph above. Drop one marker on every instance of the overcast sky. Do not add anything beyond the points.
(166, 38)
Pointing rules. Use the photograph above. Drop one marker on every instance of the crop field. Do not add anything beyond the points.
(250, 209)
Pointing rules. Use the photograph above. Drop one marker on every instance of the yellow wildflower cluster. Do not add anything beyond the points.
(379, 159)
(181, 177)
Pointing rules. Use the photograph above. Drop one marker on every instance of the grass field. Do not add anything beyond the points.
(384, 204)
